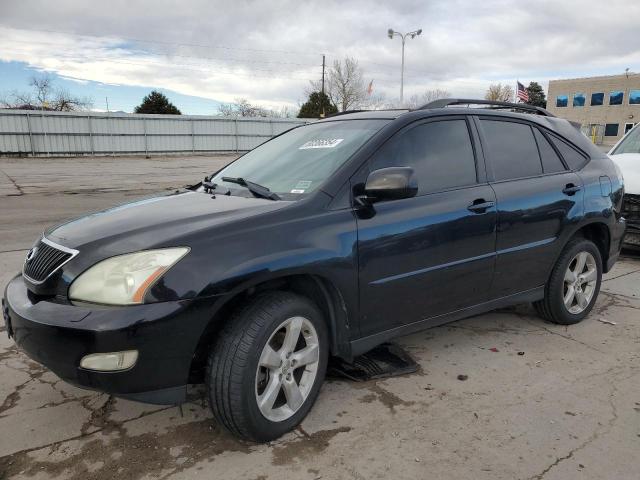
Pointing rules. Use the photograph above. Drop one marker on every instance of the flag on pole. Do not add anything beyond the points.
(522, 93)
(370, 87)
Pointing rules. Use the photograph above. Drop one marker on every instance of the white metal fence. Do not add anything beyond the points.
(37, 133)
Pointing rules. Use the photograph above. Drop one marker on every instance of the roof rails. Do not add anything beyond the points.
(345, 112)
(493, 104)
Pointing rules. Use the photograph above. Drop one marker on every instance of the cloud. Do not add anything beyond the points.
(268, 51)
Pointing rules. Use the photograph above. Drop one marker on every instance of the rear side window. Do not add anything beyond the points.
(551, 162)
(440, 154)
(512, 149)
(571, 156)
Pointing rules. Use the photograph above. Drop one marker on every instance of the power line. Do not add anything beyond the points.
(170, 54)
(160, 42)
(222, 59)
(200, 67)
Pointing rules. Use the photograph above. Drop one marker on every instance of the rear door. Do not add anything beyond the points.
(537, 197)
(432, 254)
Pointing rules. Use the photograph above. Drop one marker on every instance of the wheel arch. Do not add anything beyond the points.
(320, 290)
(598, 232)
(595, 230)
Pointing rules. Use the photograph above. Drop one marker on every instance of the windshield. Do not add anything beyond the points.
(630, 143)
(300, 160)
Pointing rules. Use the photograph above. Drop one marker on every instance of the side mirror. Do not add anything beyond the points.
(391, 183)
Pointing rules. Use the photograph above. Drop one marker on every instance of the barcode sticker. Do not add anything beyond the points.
(321, 143)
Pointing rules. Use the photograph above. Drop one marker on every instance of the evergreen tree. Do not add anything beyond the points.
(156, 102)
(312, 108)
(536, 95)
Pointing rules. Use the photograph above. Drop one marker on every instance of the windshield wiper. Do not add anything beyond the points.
(255, 188)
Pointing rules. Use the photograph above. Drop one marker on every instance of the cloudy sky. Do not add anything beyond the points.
(201, 52)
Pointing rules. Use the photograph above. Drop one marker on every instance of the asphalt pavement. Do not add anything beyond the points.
(538, 401)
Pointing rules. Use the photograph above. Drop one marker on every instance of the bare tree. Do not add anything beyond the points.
(63, 101)
(376, 101)
(44, 95)
(284, 112)
(499, 92)
(42, 88)
(345, 86)
(241, 107)
(427, 96)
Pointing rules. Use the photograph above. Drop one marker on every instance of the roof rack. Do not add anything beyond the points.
(493, 104)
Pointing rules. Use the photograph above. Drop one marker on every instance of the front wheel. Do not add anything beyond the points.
(573, 286)
(266, 368)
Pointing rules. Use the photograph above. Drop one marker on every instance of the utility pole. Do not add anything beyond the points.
(106, 99)
(322, 113)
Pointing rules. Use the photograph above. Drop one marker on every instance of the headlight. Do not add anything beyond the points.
(125, 279)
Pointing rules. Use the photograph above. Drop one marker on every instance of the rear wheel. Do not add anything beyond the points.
(574, 284)
(266, 368)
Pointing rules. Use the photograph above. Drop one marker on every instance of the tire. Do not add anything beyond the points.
(237, 384)
(558, 289)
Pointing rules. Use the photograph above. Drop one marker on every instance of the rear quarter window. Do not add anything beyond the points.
(573, 158)
(551, 162)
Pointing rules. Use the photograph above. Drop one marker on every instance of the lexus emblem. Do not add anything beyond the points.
(31, 254)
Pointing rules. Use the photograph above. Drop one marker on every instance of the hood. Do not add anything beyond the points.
(156, 220)
(629, 164)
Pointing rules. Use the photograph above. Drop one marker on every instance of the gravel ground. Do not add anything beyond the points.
(540, 400)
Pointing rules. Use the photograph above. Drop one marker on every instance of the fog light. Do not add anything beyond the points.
(110, 362)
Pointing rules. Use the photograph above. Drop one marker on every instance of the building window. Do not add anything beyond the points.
(627, 127)
(634, 97)
(597, 99)
(578, 99)
(615, 97)
(561, 101)
(611, 130)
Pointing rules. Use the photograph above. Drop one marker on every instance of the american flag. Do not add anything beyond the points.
(522, 93)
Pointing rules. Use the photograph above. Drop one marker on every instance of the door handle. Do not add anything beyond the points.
(480, 205)
(571, 189)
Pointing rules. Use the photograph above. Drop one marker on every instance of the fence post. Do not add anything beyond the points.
(111, 128)
(90, 127)
(33, 151)
(44, 130)
(146, 142)
(235, 122)
(193, 136)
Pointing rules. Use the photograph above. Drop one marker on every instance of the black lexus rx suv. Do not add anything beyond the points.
(326, 240)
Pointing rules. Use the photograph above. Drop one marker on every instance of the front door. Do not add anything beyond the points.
(432, 254)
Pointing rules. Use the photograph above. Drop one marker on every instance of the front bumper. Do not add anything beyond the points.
(58, 335)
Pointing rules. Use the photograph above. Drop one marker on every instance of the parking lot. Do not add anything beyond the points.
(538, 400)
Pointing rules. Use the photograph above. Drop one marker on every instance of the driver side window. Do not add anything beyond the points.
(439, 152)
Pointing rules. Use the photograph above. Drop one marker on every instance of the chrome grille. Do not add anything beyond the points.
(44, 259)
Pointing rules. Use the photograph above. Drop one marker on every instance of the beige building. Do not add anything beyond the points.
(606, 107)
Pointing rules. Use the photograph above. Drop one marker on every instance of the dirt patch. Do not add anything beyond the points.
(129, 457)
(35, 371)
(305, 446)
(387, 398)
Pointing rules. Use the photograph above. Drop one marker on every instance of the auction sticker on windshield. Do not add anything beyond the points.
(321, 143)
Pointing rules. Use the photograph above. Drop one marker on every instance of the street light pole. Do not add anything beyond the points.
(392, 33)
(402, 74)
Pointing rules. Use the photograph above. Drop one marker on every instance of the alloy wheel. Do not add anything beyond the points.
(580, 281)
(287, 369)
